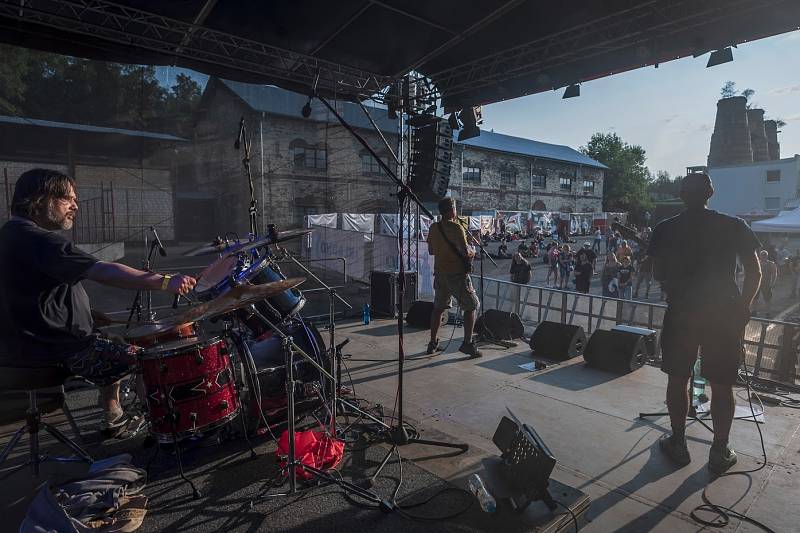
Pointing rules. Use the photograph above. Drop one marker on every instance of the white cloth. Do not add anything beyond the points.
(327, 220)
(359, 222)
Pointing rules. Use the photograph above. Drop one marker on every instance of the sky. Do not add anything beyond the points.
(668, 110)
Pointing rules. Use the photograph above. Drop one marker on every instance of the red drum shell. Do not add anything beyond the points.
(198, 378)
(152, 334)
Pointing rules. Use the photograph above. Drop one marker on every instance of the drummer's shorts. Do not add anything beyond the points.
(709, 328)
(103, 362)
(458, 286)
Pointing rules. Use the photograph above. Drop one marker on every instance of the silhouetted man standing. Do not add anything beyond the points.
(695, 256)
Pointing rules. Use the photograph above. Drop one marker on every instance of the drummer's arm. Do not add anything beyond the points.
(125, 277)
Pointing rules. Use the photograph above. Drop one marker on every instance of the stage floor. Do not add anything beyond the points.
(589, 419)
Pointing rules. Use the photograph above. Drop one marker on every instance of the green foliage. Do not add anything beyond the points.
(728, 90)
(625, 187)
(68, 89)
(664, 186)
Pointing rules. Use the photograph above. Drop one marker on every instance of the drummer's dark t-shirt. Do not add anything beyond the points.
(44, 309)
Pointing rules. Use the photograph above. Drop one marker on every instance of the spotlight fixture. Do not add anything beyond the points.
(472, 118)
(306, 111)
(572, 91)
(718, 57)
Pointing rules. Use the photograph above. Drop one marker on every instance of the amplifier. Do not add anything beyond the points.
(383, 292)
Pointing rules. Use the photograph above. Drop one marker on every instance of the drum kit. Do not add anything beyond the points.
(265, 366)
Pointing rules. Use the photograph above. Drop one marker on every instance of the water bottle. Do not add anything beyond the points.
(698, 385)
(476, 487)
(365, 314)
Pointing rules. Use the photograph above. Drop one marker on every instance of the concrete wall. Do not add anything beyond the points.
(493, 193)
(742, 188)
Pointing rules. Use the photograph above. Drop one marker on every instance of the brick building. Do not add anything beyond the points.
(299, 165)
(496, 171)
(124, 177)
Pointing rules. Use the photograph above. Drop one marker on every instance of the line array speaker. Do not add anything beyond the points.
(431, 157)
(557, 341)
(620, 352)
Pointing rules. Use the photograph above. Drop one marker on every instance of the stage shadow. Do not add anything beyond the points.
(509, 364)
(387, 330)
(575, 377)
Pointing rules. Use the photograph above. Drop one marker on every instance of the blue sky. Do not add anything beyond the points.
(669, 111)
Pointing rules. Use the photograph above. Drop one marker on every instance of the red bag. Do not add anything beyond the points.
(312, 448)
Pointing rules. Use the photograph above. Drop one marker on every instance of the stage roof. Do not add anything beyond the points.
(477, 51)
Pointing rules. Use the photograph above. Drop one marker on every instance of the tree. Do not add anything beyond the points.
(664, 186)
(625, 187)
(728, 90)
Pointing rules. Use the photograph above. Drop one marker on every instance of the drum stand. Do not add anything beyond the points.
(334, 350)
(292, 463)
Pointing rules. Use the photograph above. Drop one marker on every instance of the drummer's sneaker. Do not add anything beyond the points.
(114, 424)
(433, 346)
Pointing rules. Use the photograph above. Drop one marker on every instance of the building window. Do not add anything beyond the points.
(565, 184)
(773, 176)
(539, 179)
(508, 177)
(472, 174)
(772, 204)
(309, 157)
(588, 186)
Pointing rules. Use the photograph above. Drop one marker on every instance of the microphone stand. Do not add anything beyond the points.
(398, 435)
(253, 208)
(136, 306)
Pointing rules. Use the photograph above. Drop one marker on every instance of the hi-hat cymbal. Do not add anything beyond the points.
(266, 241)
(232, 300)
(215, 247)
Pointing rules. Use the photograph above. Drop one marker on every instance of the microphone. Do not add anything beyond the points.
(161, 250)
(238, 140)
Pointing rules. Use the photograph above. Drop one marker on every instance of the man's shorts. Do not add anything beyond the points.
(458, 286)
(710, 328)
(104, 362)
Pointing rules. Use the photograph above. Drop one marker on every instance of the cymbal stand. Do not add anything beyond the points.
(136, 306)
(292, 463)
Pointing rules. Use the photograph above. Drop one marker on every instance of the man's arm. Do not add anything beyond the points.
(752, 277)
(125, 277)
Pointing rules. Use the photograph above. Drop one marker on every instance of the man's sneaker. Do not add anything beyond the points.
(114, 424)
(720, 459)
(676, 450)
(433, 346)
(470, 349)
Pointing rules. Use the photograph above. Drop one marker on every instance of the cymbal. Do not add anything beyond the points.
(234, 299)
(266, 241)
(215, 247)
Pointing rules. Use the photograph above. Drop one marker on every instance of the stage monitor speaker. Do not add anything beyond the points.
(499, 325)
(419, 314)
(557, 341)
(615, 351)
(383, 292)
(649, 337)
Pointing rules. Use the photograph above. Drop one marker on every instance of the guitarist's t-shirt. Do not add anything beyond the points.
(446, 261)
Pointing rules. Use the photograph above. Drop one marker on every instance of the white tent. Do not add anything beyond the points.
(785, 223)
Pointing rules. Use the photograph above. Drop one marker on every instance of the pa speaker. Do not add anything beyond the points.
(419, 314)
(383, 290)
(499, 325)
(557, 341)
(615, 351)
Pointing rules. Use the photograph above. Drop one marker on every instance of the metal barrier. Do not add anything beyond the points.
(771, 346)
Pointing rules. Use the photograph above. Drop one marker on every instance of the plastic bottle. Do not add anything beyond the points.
(365, 314)
(698, 385)
(476, 487)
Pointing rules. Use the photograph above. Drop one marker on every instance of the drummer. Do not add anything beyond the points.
(45, 314)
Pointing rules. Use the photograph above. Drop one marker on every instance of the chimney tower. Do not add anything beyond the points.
(730, 142)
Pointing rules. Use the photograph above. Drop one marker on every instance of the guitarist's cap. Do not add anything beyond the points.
(697, 184)
(446, 205)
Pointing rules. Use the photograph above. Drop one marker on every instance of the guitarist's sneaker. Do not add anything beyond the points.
(470, 349)
(433, 346)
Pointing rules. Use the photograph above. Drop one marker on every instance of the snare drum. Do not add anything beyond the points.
(190, 381)
(152, 334)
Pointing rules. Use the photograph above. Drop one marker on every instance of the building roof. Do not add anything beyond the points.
(23, 121)
(499, 142)
(277, 101)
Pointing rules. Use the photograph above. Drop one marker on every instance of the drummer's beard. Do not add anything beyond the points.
(57, 221)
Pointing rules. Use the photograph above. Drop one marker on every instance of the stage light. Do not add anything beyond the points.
(572, 91)
(472, 118)
(306, 111)
(718, 57)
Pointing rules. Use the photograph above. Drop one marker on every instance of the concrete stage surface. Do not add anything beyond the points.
(588, 418)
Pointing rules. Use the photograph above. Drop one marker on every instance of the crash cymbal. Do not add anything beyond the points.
(215, 247)
(232, 300)
(266, 241)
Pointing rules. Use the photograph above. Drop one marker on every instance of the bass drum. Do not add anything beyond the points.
(270, 376)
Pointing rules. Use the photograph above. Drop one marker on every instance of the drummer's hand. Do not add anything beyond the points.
(181, 284)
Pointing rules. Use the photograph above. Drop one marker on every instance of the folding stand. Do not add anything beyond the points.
(692, 415)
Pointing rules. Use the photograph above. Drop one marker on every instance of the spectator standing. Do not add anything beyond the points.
(552, 256)
(609, 238)
(588, 251)
(566, 264)
(645, 274)
(598, 238)
(623, 250)
(520, 273)
(625, 274)
(583, 272)
(769, 276)
(609, 273)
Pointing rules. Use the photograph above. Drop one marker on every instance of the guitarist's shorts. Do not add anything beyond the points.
(458, 286)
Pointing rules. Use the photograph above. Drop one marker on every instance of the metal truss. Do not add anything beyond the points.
(139, 29)
(640, 26)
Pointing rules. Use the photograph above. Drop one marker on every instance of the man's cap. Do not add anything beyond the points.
(697, 183)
